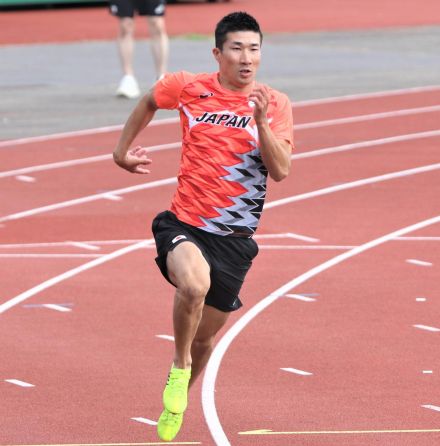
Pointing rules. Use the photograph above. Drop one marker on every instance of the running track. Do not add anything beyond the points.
(337, 342)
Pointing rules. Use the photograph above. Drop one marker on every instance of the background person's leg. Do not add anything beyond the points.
(159, 43)
(128, 86)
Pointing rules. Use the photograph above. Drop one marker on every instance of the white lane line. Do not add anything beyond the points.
(287, 235)
(18, 382)
(427, 372)
(418, 262)
(376, 94)
(417, 239)
(84, 245)
(48, 256)
(79, 161)
(369, 117)
(426, 328)
(173, 180)
(152, 184)
(213, 366)
(364, 144)
(301, 297)
(166, 337)
(306, 103)
(67, 243)
(88, 199)
(306, 247)
(71, 273)
(176, 145)
(145, 421)
(97, 130)
(296, 371)
(420, 299)
(25, 178)
(351, 184)
(431, 407)
(60, 308)
(111, 197)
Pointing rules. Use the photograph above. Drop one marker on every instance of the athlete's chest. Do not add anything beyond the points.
(209, 113)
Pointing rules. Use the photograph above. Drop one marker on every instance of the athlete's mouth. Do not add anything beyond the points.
(245, 71)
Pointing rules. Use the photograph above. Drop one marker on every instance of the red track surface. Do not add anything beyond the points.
(100, 364)
(276, 16)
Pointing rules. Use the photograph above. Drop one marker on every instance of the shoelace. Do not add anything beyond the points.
(171, 418)
(177, 383)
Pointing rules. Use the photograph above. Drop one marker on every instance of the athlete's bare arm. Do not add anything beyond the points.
(135, 160)
(274, 152)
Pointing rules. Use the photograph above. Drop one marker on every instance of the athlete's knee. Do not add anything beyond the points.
(156, 26)
(203, 344)
(126, 27)
(193, 292)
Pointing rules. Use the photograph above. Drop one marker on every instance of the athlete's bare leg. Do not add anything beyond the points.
(190, 273)
(212, 321)
(159, 43)
(126, 44)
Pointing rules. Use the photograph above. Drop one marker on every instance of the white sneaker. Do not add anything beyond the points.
(128, 87)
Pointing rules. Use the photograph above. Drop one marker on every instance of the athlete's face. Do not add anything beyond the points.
(239, 60)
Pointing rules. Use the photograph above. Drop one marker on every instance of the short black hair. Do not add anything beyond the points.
(236, 21)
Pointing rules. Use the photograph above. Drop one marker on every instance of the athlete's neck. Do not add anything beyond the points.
(240, 88)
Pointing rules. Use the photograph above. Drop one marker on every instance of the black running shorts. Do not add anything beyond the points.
(229, 258)
(127, 8)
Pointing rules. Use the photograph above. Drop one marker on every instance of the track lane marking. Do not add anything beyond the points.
(300, 297)
(89, 198)
(364, 144)
(348, 432)
(18, 382)
(177, 145)
(427, 328)
(351, 185)
(296, 371)
(145, 421)
(48, 256)
(173, 180)
(56, 307)
(113, 444)
(213, 366)
(158, 122)
(79, 161)
(368, 117)
(74, 133)
(360, 96)
(71, 273)
(418, 262)
(431, 407)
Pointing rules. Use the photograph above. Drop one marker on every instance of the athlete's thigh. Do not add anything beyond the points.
(186, 264)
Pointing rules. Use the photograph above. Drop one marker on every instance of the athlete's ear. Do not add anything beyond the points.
(216, 52)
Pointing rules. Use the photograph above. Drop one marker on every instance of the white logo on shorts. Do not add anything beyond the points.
(160, 9)
(177, 238)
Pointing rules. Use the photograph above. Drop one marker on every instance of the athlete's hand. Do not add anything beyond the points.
(136, 160)
(260, 97)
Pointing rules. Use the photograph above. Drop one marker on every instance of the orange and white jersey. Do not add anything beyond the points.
(222, 179)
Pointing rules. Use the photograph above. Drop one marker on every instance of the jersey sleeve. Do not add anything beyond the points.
(282, 122)
(168, 89)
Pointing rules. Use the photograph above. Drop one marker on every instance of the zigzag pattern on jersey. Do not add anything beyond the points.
(243, 215)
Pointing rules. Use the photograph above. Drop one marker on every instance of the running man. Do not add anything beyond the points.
(155, 12)
(236, 132)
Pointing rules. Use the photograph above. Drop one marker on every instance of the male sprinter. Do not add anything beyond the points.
(235, 132)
